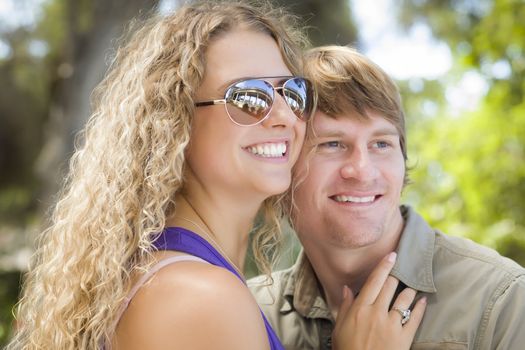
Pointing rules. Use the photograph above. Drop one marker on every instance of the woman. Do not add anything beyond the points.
(195, 130)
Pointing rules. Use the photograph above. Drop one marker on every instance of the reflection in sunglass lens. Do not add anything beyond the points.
(295, 92)
(249, 101)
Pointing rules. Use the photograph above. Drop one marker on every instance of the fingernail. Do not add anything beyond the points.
(423, 300)
(346, 290)
(392, 257)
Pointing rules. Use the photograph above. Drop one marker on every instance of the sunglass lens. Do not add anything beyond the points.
(297, 93)
(249, 101)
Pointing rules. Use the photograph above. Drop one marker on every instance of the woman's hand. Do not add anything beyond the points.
(368, 323)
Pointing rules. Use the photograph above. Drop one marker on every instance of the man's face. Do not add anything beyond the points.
(353, 171)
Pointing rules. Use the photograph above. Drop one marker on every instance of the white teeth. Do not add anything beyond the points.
(269, 149)
(368, 199)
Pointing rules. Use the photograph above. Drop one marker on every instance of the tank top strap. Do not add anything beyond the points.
(155, 268)
(145, 277)
(186, 241)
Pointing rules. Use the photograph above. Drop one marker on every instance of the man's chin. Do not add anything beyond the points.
(356, 236)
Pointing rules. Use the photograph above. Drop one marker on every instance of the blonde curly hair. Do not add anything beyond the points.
(124, 176)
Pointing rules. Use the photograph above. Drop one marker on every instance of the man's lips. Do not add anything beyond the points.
(356, 199)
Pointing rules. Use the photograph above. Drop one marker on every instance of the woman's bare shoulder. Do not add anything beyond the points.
(192, 305)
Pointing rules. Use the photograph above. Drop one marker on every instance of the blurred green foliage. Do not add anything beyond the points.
(325, 22)
(29, 74)
(469, 176)
(9, 282)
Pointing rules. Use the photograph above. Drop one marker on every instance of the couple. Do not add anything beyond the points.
(198, 128)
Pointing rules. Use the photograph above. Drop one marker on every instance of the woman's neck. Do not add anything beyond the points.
(224, 224)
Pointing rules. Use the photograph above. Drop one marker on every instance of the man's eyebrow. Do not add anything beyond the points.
(327, 133)
(387, 131)
(384, 131)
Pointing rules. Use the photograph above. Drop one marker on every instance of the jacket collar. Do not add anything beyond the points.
(413, 267)
(415, 253)
(303, 292)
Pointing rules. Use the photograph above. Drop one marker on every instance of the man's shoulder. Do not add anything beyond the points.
(478, 294)
(267, 289)
(474, 257)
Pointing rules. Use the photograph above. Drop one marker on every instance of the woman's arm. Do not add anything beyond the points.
(191, 305)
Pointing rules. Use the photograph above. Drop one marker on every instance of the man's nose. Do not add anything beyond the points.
(358, 165)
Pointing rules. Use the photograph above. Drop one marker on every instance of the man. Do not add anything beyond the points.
(347, 215)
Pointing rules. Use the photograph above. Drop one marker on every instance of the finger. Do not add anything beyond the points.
(415, 317)
(401, 305)
(405, 298)
(348, 298)
(375, 281)
(342, 322)
(387, 292)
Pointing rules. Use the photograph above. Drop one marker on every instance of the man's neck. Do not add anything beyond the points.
(336, 266)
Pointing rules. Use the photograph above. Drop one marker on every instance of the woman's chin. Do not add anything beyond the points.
(275, 188)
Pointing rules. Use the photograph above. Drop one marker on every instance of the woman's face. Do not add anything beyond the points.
(243, 160)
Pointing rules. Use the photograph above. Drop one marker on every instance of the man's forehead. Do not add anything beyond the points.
(343, 124)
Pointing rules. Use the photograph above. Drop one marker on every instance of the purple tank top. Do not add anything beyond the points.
(180, 239)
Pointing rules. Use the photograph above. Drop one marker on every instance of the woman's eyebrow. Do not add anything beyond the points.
(225, 85)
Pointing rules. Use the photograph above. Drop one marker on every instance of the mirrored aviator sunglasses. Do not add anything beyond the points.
(248, 102)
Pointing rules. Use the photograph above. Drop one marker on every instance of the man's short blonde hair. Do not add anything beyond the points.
(347, 80)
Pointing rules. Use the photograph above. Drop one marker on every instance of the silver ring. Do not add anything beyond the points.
(405, 314)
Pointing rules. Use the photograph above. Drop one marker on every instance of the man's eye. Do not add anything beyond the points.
(331, 144)
(381, 144)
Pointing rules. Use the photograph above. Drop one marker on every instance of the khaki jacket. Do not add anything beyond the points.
(476, 298)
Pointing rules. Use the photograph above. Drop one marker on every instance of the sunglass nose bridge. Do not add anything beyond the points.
(279, 90)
